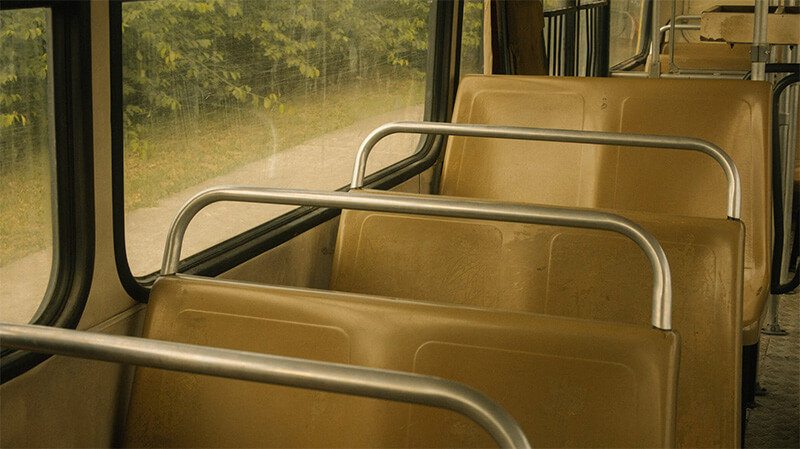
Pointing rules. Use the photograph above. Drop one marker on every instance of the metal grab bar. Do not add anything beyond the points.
(556, 135)
(679, 26)
(443, 207)
(271, 369)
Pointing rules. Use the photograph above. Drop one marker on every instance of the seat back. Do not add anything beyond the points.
(707, 56)
(734, 115)
(576, 273)
(569, 383)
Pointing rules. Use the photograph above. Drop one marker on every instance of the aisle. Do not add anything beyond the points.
(775, 423)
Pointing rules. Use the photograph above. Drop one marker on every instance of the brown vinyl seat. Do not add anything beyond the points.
(577, 273)
(734, 115)
(707, 56)
(568, 382)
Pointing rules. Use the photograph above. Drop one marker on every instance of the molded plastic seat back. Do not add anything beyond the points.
(577, 273)
(707, 56)
(734, 115)
(569, 383)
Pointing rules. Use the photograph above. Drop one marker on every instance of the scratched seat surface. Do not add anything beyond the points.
(572, 272)
(734, 115)
(707, 56)
(568, 382)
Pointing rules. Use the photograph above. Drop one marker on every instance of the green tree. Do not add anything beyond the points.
(229, 54)
(23, 85)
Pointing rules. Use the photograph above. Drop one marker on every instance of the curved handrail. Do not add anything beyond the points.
(679, 26)
(556, 135)
(272, 369)
(443, 207)
(777, 287)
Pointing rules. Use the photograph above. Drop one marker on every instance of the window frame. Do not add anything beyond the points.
(439, 93)
(72, 185)
(641, 55)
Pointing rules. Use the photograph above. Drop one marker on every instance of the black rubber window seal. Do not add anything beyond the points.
(240, 248)
(73, 255)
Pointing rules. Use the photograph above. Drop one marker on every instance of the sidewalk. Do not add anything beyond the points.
(323, 163)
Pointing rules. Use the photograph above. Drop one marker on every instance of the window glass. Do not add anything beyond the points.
(555, 5)
(627, 37)
(26, 233)
(472, 38)
(275, 93)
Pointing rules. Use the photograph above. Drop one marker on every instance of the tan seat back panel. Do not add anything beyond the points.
(707, 56)
(734, 115)
(577, 273)
(535, 366)
(505, 162)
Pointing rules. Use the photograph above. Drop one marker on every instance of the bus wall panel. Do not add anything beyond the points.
(70, 402)
(305, 260)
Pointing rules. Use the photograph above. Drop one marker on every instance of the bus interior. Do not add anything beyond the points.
(399, 223)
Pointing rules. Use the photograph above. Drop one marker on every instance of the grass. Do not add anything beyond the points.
(185, 151)
(217, 143)
(25, 208)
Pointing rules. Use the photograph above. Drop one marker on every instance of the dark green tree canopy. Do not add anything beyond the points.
(218, 53)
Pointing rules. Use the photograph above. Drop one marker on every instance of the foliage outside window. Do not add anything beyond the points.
(472, 38)
(274, 93)
(26, 236)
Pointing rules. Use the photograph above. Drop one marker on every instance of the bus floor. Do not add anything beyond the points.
(775, 422)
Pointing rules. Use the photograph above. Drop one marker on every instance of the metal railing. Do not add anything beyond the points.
(442, 207)
(575, 37)
(271, 369)
(782, 184)
(674, 25)
(734, 197)
(672, 68)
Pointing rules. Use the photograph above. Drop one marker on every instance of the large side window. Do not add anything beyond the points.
(26, 155)
(272, 93)
(472, 38)
(46, 198)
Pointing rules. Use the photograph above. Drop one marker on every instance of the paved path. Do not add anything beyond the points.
(325, 163)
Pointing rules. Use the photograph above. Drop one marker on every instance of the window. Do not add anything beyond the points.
(26, 156)
(574, 34)
(628, 37)
(472, 38)
(46, 195)
(270, 93)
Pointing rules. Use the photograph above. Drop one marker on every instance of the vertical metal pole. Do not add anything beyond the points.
(772, 326)
(605, 44)
(789, 111)
(655, 62)
(759, 51)
(672, 36)
(487, 37)
(571, 38)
